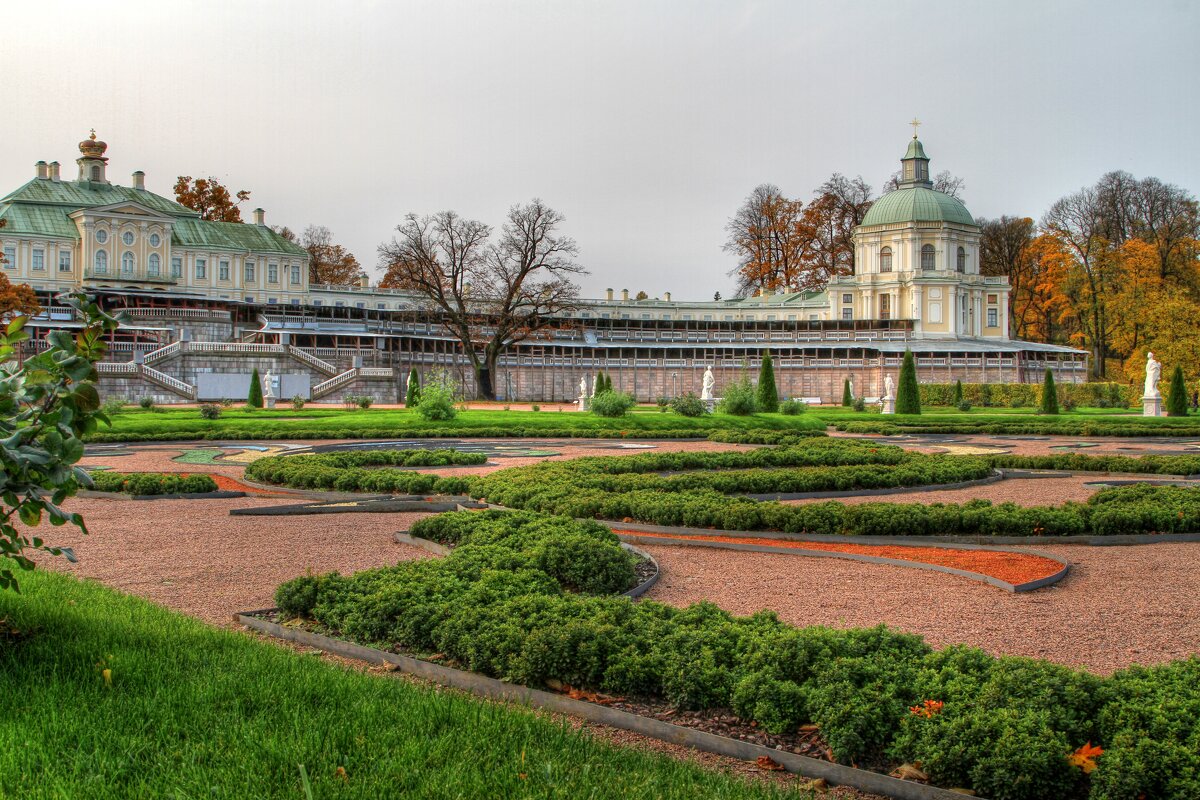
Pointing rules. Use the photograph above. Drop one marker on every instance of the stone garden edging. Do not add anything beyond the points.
(479, 685)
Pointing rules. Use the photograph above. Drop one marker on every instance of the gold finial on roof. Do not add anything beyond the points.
(93, 136)
(915, 123)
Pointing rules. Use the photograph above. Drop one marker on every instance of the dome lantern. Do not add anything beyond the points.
(91, 159)
(914, 167)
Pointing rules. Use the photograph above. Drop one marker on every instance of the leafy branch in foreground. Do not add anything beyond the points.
(47, 402)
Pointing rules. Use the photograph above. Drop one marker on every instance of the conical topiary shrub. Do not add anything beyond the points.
(1177, 401)
(254, 398)
(847, 395)
(768, 392)
(908, 395)
(958, 397)
(1049, 394)
(598, 383)
(412, 395)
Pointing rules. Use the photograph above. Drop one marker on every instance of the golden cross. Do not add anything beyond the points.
(915, 123)
(93, 133)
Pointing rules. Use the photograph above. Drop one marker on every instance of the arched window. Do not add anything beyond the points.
(885, 260)
(962, 260)
(95, 173)
(101, 262)
(927, 257)
(152, 264)
(127, 263)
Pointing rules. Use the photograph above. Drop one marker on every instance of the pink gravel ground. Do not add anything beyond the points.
(1022, 491)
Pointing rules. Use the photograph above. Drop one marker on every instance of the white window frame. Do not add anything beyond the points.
(201, 269)
(64, 260)
(296, 274)
(37, 261)
(10, 256)
(176, 266)
(272, 272)
(128, 258)
(223, 269)
(248, 272)
(993, 318)
(100, 262)
(153, 265)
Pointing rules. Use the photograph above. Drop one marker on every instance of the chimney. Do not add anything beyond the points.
(625, 295)
(364, 280)
(667, 296)
(41, 170)
(260, 216)
(54, 171)
(139, 181)
(608, 293)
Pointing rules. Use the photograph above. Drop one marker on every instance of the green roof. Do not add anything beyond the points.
(915, 150)
(43, 207)
(916, 204)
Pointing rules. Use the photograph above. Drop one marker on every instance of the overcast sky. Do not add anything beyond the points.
(645, 123)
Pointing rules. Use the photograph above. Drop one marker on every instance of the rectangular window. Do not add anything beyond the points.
(770, 317)
(39, 260)
(10, 257)
(708, 317)
(249, 299)
(848, 299)
(223, 269)
(885, 306)
(812, 317)
(729, 317)
(272, 301)
(296, 273)
(992, 318)
(177, 267)
(64, 260)
(272, 273)
(201, 268)
(847, 313)
(249, 270)
(360, 305)
(381, 306)
(316, 302)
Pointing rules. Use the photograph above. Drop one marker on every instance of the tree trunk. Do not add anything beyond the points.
(485, 375)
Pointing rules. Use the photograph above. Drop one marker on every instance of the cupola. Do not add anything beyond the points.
(914, 167)
(91, 161)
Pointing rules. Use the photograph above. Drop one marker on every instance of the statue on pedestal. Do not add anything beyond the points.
(887, 404)
(583, 394)
(1153, 373)
(706, 392)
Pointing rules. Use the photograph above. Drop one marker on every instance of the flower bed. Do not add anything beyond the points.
(528, 598)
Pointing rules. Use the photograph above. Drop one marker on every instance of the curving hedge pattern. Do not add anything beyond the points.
(350, 471)
(528, 598)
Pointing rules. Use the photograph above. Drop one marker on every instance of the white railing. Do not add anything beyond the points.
(183, 313)
(117, 368)
(168, 382)
(376, 372)
(312, 361)
(236, 347)
(163, 353)
(336, 382)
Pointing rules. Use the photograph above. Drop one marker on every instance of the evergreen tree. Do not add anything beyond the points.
(413, 396)
(847, 395)
(908, 394)
(254, 399)
(768, 392)
(598, 384)
(1049, 394)
(608, 386)
(1177, 401)
(958, 397)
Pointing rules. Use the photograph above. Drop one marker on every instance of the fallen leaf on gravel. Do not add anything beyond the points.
(766, 762)
(909, 772)
(808, 728)
(819, 785)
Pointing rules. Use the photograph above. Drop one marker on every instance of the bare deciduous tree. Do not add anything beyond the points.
(489, 294)
(944, 182)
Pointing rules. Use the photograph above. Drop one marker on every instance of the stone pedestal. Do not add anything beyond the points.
(710, 404)
(887, 405)
(269, 402)
(1152, 406)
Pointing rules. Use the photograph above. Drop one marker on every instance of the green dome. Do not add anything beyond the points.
(916, 204)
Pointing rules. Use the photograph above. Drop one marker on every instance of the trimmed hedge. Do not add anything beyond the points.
(151, 483)
(243, 434)
(347, 472)
(1029, 395)
(1058, 426)
(527, 598)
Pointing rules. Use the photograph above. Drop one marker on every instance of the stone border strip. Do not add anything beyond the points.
(995, 477)
(219, 494)
(404, 537)
(835, 774)
(1028, 586)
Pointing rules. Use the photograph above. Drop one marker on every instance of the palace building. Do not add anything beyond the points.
(207, 302)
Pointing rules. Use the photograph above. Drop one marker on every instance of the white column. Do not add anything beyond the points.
(952, 308)
(867, 297)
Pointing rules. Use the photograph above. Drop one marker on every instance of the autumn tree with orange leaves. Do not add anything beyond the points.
(210, 198)
(16, 299)
(328, 262)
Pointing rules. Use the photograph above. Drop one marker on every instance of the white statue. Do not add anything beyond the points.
(850, 382)
(707, 392)
(583, 394)
(1153, 372)
(889, 388)
(268, 385)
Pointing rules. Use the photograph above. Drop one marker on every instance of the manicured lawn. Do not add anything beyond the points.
(237, 423)
(193, 711)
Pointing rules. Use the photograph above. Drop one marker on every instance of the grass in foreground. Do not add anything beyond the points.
(186, 423)
(193, 711)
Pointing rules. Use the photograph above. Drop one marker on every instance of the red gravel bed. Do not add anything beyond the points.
(1015, 568)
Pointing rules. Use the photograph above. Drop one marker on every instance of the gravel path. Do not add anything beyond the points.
(1022, 491)
(1118, 605)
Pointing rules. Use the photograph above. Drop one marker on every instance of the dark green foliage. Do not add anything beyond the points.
(255, 398)
(958, 393)
(1049, 404)
(210, 411)
(859, 404)
(847, 394)
(689, 405)
(151, 483)
(791, 408)
(612, 404)
(146, 403)
(1177, 400)
(908, 394)
(739, 399)
(350, 471)
(1088, 426)
(528, 598)
(768, 392)
(412, 396)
